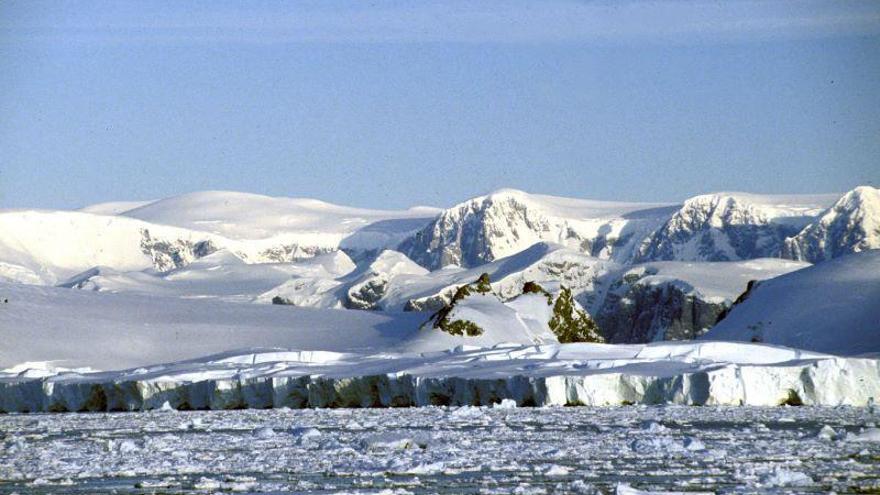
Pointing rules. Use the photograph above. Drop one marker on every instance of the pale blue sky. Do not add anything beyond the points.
(391, 104)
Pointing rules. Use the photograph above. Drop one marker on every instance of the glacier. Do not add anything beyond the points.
(706, 373)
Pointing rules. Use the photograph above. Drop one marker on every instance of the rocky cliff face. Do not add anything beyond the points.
(636, 313)
(851, 225)
(168, 254)
(671, 300)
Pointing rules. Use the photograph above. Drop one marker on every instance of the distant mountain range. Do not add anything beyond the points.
(642, 271)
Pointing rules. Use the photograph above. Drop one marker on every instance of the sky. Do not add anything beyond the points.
(396, 104)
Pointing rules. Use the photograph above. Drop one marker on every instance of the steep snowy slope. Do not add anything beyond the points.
(830, 307)
(674, 300)
(506, 222)
(851, 225)
(731, 226)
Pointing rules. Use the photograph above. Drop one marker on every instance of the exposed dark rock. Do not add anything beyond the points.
(637, 313)
(570, 323)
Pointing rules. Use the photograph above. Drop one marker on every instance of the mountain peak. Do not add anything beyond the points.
(852, 224)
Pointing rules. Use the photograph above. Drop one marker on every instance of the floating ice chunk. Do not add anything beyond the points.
(653, 426)
(557, 470)
(827, 433)
(163, 483)
(166, 407)
(627, 489)
(505, 404)
(306, 434)
(656, 445)
(392, 441)
(428, 469)
(694, 444)
(467, 412)
(124, 446)
(264, 432)
(866, 435)
(786, 477)
(207, 483)
(192, 424)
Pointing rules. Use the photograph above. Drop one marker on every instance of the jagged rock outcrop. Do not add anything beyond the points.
(444, 320)
(726, 227)
(168, 254)
(474, 306)
(570, 322)
(851, 225)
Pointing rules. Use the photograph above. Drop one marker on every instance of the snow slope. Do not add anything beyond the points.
(392, 282)
(310, 222)
(720, 281)
(76, 328)
(831, 307)
(221, 275)
(544, 263)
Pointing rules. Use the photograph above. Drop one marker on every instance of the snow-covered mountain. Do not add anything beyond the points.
(730, 227)
(851, 225)
(307, 225)
(831, 307)
(508, 221)
(48, 247)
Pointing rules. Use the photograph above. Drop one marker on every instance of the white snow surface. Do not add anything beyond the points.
(833, 306)
(114, 207)
(244, 216)
(48, 247)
